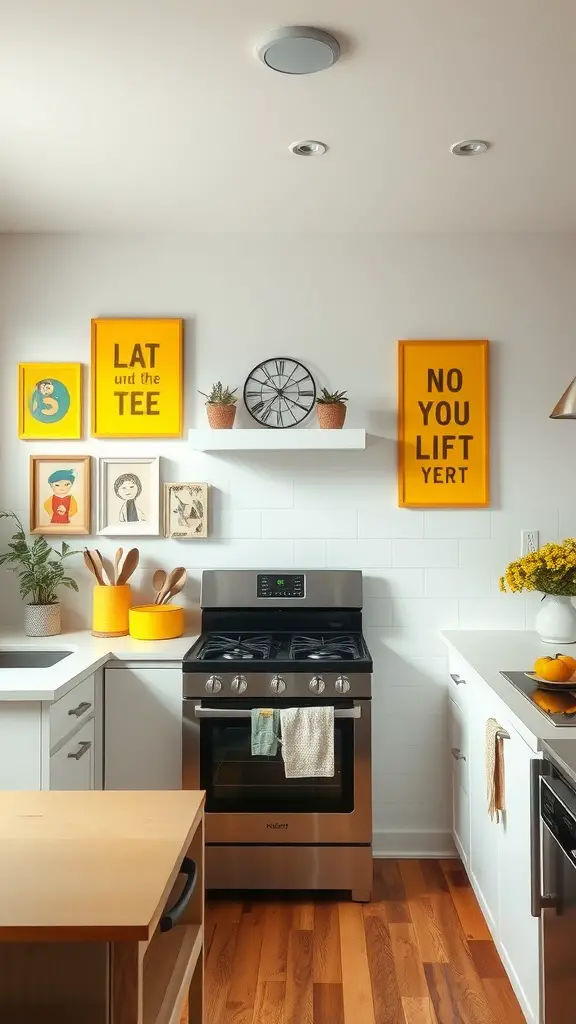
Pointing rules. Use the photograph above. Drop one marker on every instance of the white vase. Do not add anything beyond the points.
(42, 619)
(556, 620)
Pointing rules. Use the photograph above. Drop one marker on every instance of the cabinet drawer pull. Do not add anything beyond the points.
(170, 917)
(456, 679)
(457, 755)
(84, 747)
(81, 709)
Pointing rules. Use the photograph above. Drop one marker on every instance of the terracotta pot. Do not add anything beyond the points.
(331, 417)
(42, 619)
(220, 417)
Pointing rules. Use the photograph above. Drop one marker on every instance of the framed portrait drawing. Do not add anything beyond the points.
(50, 401)
(129, 497)
(185, 511)
(60, 494)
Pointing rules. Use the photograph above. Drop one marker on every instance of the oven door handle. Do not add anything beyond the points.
(246, 713)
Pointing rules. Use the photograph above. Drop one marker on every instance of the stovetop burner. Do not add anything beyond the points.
(325, 648)
(236, 648)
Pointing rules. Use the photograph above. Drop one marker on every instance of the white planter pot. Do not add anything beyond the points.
(556, 620)
(42, 619)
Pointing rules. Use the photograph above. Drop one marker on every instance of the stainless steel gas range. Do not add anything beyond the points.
(276, 640)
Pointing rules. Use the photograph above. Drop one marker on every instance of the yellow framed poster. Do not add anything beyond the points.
(136, 378)
(443, 433)
(50, 401)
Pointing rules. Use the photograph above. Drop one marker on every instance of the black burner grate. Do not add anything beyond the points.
(342, 647)
(236, 648)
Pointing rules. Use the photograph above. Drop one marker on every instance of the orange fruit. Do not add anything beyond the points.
(555, 671)
(540, 665)
(568, 660)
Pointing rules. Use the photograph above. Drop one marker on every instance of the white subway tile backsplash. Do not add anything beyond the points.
(431, 614)
(504, 612)
(240, 523)
(458, 523)
(359, 554)
(310, 523)
(470, 582)
(310, 554)
(394, 583)
(259, 491)
(383, 521)
(377, 612)
(239, 554)
(425, 553)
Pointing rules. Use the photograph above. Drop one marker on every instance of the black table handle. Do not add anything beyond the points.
(171, 916)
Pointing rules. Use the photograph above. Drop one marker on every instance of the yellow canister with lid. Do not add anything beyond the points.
(156, 621)
(110, 607)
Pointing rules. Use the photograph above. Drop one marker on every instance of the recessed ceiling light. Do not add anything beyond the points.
(308, 148)
(298, 50)
(469, 147)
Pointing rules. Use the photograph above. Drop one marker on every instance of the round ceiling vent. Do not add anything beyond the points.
(310, 147)
(300, 50)
(469, 147)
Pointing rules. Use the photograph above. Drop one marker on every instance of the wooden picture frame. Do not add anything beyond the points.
(443, 424)
(60, 495)
(137, 377)
(50, 401)
(129, 496)
(185, 507)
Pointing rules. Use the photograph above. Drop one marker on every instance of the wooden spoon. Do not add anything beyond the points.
(158, 581)
(106, 576)
(176, 587)
(130, 565)
(171, 579)
(117, 559)
(91, 563)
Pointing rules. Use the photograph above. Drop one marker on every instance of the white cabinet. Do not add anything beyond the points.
(143, 727)
(497, 857)
(72, 766)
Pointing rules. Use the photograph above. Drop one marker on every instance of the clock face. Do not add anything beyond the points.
(280, 393)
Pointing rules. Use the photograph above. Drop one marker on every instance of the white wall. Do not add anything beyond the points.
(339, 304)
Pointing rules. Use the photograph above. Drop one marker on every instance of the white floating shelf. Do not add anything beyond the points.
(290, 440)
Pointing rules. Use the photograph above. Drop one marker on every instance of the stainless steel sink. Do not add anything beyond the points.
(31, 658)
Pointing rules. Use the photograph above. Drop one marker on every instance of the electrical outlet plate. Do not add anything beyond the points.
(529, 541)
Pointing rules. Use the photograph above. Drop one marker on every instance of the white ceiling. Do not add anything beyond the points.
(155, 115)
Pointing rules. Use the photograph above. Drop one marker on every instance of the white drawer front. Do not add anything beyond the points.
(459, 746)
(72, 767)
(73, 708)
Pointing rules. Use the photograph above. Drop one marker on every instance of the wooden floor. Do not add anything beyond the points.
(419, 954)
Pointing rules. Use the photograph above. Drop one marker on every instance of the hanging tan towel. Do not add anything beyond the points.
(495, 790)
(308, 742)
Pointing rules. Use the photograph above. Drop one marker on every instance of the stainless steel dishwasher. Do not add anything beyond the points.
(554, 896)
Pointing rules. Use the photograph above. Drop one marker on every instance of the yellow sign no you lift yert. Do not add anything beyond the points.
(443, 436)
(137, 378)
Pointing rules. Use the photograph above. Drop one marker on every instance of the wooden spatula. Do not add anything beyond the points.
(130, 566)
(117, 560)
(158, 581)
(91, 564)
(104, 569)
(176, 587)
(170, 581)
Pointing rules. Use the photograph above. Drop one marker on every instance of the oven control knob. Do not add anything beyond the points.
(342, 684)
(317, 684)
(213, 684)
(239, 684)
(277, 685)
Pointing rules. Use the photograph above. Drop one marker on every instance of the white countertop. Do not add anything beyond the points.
(89, 653)
(491, 652)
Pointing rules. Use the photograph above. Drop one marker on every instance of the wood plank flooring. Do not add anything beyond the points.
(420, 953)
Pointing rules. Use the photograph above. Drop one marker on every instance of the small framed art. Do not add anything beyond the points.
(50, 401)
(60, 494)
(129, 497)
(185, 511)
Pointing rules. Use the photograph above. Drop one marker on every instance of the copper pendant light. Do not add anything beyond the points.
(565, 409)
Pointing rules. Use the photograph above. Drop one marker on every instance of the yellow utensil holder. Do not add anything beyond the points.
(156, 622)
(110, 607)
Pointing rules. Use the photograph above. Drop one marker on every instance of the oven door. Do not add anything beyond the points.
(250, 800)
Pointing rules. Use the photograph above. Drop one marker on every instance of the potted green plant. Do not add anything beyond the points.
(331, 409)
(41, 571)
(221, 406)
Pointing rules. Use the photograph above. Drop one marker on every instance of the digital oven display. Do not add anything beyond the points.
(290, 585)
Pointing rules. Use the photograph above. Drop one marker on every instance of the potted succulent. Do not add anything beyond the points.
(331, 408)
(221, 406)
(41, 571)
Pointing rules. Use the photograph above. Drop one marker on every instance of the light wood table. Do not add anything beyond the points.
(85, 882)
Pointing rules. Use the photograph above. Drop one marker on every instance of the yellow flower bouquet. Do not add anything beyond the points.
(551, 570)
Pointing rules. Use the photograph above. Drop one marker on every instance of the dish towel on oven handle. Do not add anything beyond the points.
(265, 728)
(495, 781)
(308, 742)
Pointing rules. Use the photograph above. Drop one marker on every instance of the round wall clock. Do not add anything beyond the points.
(280, 393)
